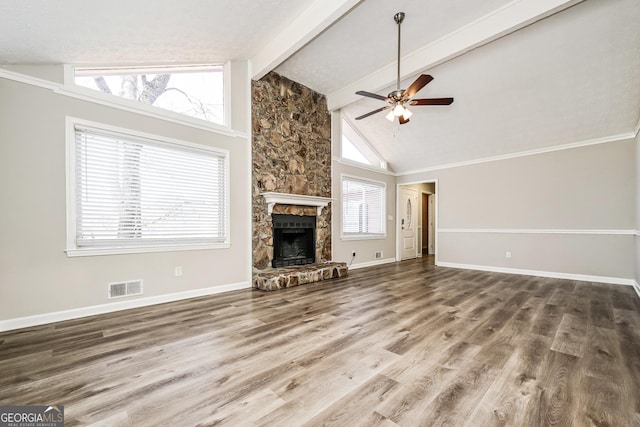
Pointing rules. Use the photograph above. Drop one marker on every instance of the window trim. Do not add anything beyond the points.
(72, 250)
(358, 165)
(71, 89)
(363, 236)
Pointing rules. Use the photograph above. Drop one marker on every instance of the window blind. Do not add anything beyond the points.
(363, 207)
(132, 191)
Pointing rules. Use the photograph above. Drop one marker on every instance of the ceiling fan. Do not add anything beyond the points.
(400, 98)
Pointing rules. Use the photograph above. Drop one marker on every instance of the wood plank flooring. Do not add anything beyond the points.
(405, 344)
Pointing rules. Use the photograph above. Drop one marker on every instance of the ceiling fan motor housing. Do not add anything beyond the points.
(396, 95)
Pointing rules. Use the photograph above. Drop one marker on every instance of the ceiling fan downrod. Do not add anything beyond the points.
(398, 17)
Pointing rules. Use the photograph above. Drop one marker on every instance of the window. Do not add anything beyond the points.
(356, 149)
(363, 208)
(130, 190)
(350, 152)
(194, 91)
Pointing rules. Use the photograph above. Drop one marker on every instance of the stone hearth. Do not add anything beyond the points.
(280, 278)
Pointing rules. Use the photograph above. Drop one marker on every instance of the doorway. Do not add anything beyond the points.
(416, 220)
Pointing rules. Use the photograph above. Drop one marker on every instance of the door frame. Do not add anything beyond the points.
(436, 217)
(424, 225)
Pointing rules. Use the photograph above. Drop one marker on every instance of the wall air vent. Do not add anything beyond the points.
(378, 254)
(125, 289)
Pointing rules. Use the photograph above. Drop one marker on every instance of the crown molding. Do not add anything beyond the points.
(33, 81)
(589, 142)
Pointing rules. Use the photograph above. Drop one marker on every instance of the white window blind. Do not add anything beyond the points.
(363, 207)
(133, 191)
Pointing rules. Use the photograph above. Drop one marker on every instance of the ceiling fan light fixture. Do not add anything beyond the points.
(390, 116)
(407, 114)
(398, 110)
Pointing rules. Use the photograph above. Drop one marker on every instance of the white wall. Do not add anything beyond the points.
(36, 276)
(583, 189)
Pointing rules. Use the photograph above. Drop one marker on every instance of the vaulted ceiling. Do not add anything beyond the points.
(525, 74)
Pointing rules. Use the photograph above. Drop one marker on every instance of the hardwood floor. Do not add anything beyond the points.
(405, 344)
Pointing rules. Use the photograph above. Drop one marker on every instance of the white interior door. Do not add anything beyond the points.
(408, 216)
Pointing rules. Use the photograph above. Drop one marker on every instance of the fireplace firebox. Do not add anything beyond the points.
(294, 240)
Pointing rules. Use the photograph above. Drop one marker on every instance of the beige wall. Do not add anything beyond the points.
(585, 188)
(637, 186)
(36, 276)
(52, 73)
(365, 249)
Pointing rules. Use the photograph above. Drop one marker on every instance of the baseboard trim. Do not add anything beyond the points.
(552, 274)
(76, 313)
(636, 287)
(371, 263)
(536, 231)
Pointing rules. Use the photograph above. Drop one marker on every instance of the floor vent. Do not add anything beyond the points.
(378, 254)
(125, 289)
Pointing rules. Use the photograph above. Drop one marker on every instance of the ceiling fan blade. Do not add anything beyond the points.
(420, 82)
(371, 95)
(402, 120)
(431, 101)
(373, 112)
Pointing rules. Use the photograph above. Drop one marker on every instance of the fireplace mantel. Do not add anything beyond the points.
(294, 199)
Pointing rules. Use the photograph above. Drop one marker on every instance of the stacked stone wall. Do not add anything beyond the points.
(291, 150)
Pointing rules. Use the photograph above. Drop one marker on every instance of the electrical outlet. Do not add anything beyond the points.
(353, 253)
(177, 271)
(508, 254)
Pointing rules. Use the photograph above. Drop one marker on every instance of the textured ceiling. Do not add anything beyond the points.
(366, 39)
(137, 31)
(570, 77)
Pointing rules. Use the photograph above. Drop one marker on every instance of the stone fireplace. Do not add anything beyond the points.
(291, 153)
